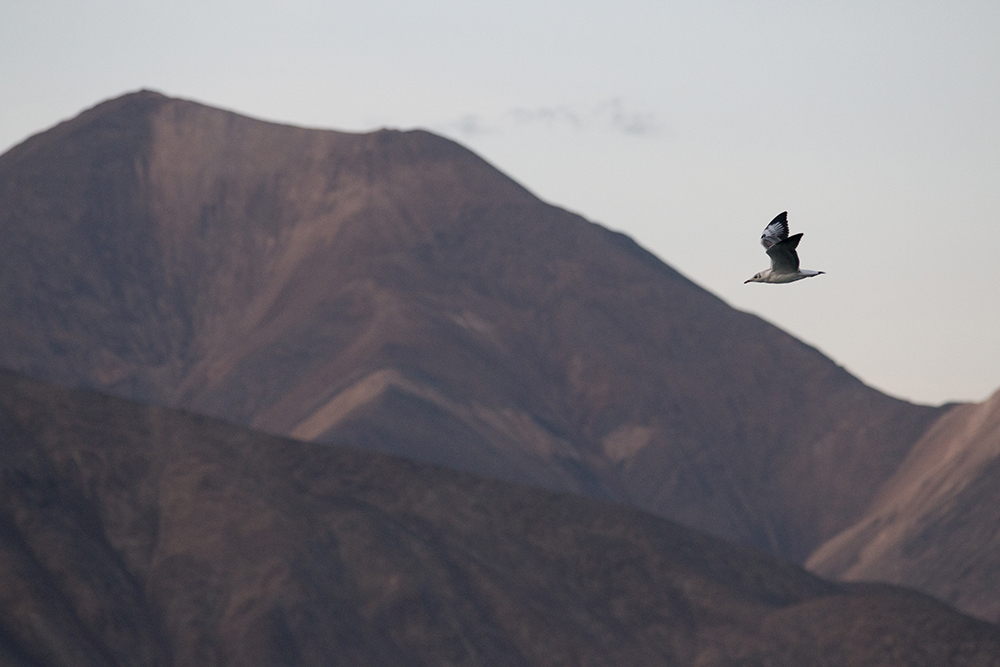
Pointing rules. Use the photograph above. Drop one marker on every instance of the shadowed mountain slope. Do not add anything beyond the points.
(394, 291)
(140, 535)
(934, 524)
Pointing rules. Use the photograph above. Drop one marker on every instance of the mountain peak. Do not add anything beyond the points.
(395, 291)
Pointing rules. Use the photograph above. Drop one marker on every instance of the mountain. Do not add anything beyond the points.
(933, 524)
(139, 535)
(395, 292)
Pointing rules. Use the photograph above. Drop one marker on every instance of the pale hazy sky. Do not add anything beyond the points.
(687, 125)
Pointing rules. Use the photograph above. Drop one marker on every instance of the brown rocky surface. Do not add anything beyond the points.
(139, 535)
(933, 526)
(394, 291)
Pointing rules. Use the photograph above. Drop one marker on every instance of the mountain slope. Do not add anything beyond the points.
(933, 524)
(394, 291)
(140, 535)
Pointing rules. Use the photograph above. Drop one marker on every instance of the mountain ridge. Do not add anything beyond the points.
(142, 535)
(930, 527)
(394, 291)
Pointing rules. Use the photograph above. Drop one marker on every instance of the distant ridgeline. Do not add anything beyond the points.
(394, 292)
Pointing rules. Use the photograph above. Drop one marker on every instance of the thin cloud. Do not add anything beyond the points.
(613, 116)
(627, 120)
(551, 117)
(472, 125)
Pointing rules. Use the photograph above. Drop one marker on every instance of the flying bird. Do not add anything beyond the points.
(780, 248)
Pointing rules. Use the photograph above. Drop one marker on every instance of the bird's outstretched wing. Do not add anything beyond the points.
(776, 231)
(784, 259)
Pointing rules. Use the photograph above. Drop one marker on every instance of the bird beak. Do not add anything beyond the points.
(746, 281)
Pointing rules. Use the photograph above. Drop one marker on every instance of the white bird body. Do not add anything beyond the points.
(769, 276)
(780, 248)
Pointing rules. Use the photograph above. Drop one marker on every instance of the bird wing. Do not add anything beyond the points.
(784, 259)
(776, 231)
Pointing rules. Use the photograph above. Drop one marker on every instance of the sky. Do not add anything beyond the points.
(686, 125)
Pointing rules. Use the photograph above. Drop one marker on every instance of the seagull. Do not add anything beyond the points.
(781, 248)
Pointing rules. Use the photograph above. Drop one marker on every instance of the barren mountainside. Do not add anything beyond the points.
(934, 524)
(138, 535)
(394, 292)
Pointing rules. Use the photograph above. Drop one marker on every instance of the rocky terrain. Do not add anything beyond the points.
(394, 292)
(934, 524)
(133, 534)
